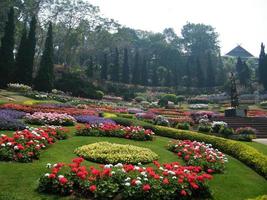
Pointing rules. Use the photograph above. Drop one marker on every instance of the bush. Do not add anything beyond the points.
(167, 97)
(245, 134)
(17, 87)
(139, 99)
(198, 101)
(99, 94)
(244, 153)
(226, 131)
(183, 126)
(111, 153)
(204, 128)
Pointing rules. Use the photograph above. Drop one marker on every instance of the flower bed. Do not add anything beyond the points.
(198, 106)
(25, 146)
(169, 181)
(92, 119)
(245, 134)
(199, 154)
(39, 118)
(161, 111)
(40, 108)
(105, 152)
(113, 130)
(17, 87)
(9, 120)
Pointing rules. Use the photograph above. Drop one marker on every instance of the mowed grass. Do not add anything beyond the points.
(20, 180)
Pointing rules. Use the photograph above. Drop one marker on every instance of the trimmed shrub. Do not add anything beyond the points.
(167, 97)
(111, 153)
(183, 126)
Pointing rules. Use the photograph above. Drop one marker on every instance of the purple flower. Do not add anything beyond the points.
(9, 119)
(88, 119)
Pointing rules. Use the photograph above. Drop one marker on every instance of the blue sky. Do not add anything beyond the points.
(237, 21)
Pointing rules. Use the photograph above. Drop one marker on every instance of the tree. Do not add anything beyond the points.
(136, 69)
(155, 79)
(21, 62)
(44, 80)
(7, 62)
(30, 52)
(200, 39)
(200, 75)
(144, 74)
(210, 79)
(262, 67)
(242, 72)
(115, 70)
(104, 69)
(125, 70)
(90, 68)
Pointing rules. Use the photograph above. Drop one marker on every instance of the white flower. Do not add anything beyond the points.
(112, 172)
(138, 182)
(143, 173)
(145, 179)
(60, 176)
(127, 179)
(127, 184)
(9, 144)
(47, 174)
(174, 177)
(139, 163)
(136, 167)
(3, 145)
(138, 178)
(16, 147)
(118, 165)
(48, 165)
(3, 135)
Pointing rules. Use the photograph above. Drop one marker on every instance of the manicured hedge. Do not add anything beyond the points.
(246, 154)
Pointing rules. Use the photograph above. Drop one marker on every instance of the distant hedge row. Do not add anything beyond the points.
(246, 154)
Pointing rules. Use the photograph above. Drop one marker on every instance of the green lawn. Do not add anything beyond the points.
(19, 180)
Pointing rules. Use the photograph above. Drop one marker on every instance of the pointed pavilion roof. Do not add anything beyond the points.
(239, 52)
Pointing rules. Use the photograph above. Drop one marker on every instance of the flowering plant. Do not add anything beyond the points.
(92, 119)
(24, 146)
(40, 118)
(18, 87)
(217, 125)
(105, 152)
(246, 133)
(199, 154)
(167, 181)
(9, 120)
(199, 106)
(114, 130)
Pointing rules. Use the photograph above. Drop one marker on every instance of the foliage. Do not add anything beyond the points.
(127, 181)
(44, 80)
(105, 152)
(112, 130)
(199, 154)
(167, 97)
(246, 133)
(7, 63)
(9, 120)
(183, 126)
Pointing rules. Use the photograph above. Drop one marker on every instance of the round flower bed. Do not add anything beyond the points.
(114, 130)
(39, 118)
(167, 181)
(105, 152)
(199, 154)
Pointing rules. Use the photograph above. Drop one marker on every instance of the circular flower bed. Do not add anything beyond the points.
(39, 118)
(105, 152)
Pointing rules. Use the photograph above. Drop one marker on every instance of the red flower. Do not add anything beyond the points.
(92, 188)
(146, 187)
(52, 176)
(166, 181)
(210, 171)
(183, 193)
(63, 180)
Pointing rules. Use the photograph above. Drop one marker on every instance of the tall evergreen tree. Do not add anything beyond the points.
(104, 69)
(7, 63)
(21, 59)
(210, 79)
(242, 72)
(44, 80)
(90, 68)
(115, 70)
(155, 78)
(30, 52)
(188, 72)
(221, 75)
(168, 78)
(144, 74)
(136, 69)
(200, 75)
(262, 71)
(125, 70)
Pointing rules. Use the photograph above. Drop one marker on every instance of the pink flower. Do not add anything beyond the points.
(92, 188)
(146, 187)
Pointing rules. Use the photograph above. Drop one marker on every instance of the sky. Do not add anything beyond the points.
(242, 22)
